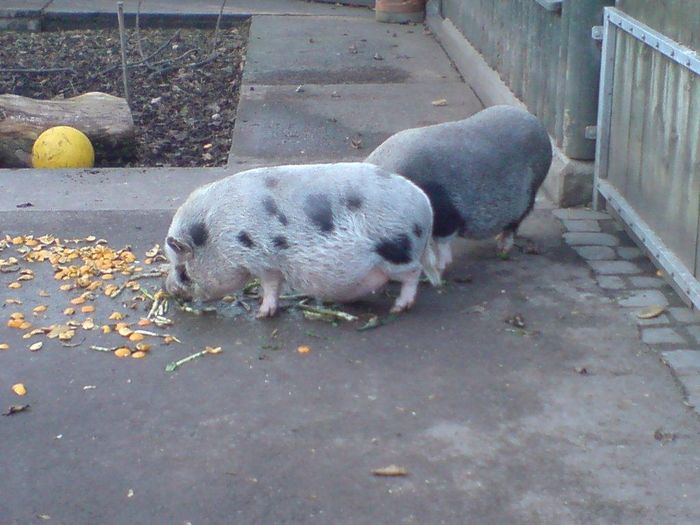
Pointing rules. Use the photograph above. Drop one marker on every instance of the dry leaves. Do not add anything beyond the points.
(390, 471)
(88, 264)
(122, 352)
(650, 312)
(19, 389)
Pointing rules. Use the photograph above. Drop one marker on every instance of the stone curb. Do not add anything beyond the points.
(629, 277)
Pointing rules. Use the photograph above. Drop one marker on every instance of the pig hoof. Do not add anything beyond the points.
(504, 243)
(266, 311)
(402, 307)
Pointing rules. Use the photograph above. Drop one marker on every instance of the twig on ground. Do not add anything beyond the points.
(197, 311)
(154, 334)
(170, 61)
(103, 348)
(244, 305)
(171, 367)
(136, 277)
(158, 299)
(122, 41)
(204, 62)
(147, 294)
(326, 312)
(141, 63)
(38, 70)
(147, 275)
(375, 322)
(73, 345)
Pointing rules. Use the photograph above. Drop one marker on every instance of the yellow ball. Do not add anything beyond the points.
(63, 147)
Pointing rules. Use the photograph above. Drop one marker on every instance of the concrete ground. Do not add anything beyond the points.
(569, 419)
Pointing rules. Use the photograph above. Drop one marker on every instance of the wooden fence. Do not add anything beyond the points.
(648, 162)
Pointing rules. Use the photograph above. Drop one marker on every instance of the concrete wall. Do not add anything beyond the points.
(546, 57)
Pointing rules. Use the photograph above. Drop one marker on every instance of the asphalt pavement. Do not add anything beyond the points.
(519, 393)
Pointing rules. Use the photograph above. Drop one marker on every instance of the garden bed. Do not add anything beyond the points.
(183, 97)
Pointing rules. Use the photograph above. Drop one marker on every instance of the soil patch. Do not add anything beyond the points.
(184, 114)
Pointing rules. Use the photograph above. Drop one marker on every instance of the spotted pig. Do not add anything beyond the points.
(481, 174)
(333, 231)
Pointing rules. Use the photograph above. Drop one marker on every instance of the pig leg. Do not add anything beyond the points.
(409, 287)
(444, 253)
(504, 242)
(271, 283)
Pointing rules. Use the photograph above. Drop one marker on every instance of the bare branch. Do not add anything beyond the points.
(38, 70)
(215, 39)
(122, 40)
(207, 60)
(141, 63)
(139, 47)
(171, 61)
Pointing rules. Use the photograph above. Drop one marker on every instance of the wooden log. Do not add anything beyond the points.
(105, 119)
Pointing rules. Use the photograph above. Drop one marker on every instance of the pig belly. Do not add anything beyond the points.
(328, 288)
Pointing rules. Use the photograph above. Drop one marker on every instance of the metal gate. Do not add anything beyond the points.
(647, 164)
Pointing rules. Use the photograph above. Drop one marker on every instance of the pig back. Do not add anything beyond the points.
(486, 168)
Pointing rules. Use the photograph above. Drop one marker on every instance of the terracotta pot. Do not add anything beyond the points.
(399, 11)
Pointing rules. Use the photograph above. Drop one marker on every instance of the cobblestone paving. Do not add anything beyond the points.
(630, 278)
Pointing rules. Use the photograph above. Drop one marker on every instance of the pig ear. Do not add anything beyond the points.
(181, 248)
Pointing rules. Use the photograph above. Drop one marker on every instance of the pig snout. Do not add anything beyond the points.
(178, 284)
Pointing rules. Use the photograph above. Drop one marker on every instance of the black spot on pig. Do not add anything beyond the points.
(447, 219)
(271, 182)
(271, 208)
(396, 250)
(199, 233)
(353, 201)
(245, 239)
(318, 209)
(417, 230)
(280, 242)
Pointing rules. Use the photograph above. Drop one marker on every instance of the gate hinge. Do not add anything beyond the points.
(597, 32)
(591, 132)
